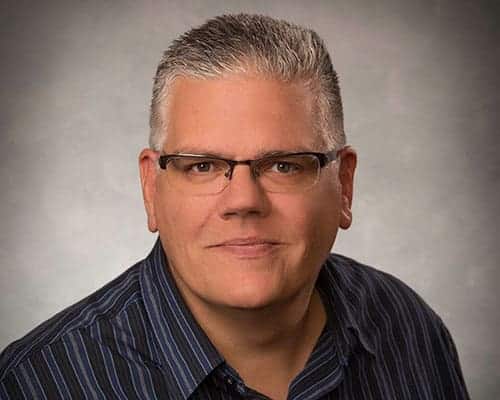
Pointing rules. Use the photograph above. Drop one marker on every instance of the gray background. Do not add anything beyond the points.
(421, 96)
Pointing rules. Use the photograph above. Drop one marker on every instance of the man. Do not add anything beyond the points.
(247, 180)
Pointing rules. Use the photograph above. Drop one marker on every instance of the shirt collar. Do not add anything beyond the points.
(185, 352)
(346, 312)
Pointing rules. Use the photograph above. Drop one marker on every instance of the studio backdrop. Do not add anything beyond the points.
(421, 97)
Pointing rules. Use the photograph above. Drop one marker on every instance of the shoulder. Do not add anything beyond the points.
(105, 304)
(384, 308)
(397, 323)
(369, 287)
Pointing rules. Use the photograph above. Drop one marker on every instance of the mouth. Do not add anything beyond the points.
(249, 247)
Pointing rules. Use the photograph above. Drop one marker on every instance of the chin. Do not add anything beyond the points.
(248, 282)
(253, 295)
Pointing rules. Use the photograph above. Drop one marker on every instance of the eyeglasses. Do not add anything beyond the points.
(198, 174)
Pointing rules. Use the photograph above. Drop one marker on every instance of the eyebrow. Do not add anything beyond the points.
(260, 154)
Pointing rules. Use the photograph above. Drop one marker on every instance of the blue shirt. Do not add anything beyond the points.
(135, 338)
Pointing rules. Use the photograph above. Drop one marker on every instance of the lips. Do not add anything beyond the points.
(248, 247)
(249, 241)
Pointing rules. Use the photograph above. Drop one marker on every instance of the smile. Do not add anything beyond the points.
(248, 247)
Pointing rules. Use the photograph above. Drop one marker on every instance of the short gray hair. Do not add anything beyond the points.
(258, 44)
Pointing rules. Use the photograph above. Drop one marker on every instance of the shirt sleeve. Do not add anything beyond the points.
(459, 386)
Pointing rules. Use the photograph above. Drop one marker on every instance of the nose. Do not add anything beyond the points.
(243, 196)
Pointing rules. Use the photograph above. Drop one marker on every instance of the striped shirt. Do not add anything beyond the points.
(136, 339)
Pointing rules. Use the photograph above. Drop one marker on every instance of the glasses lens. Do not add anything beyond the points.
(197, 175)
(293, 173)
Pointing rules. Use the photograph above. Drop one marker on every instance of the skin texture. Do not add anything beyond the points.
(244, 257)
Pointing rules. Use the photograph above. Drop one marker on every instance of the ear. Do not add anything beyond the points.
(148, 161)
(348, 160)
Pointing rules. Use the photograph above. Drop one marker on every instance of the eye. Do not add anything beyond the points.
(198, 166)
(205, 166)
(201, 166)
(285, 167)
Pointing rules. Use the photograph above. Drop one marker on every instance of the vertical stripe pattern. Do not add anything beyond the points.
(136, 339)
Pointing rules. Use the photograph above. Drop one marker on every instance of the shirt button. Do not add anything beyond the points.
(229, 381)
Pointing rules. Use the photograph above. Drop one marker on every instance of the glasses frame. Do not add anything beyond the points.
(323, 159)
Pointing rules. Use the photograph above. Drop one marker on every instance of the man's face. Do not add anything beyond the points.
(245, 247)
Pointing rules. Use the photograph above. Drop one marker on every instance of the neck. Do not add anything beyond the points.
(269, 346)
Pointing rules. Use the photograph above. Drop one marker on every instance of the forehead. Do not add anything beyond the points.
(238, 114)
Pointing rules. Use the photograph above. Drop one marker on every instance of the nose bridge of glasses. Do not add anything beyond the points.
(233, 163)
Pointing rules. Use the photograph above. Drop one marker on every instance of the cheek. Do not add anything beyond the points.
(319, 219)
(182, 217)
(310, 220)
